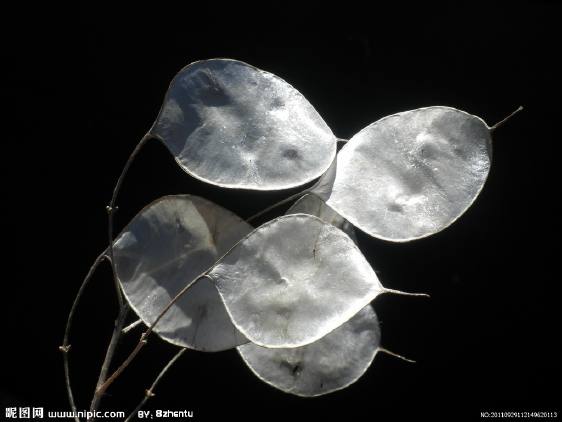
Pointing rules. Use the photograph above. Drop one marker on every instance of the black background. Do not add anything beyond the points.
(89, 84)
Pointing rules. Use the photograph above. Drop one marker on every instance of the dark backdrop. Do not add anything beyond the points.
(89, 84)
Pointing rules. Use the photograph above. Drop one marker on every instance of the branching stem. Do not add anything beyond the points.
(119, 322)
(103, 387)
(65, 348)
(150, 392)
(123, 307)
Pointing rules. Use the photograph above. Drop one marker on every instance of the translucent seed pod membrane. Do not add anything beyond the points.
(165, 247)
(293, 280)
(334, 362)
(412, 174)
(236, 126)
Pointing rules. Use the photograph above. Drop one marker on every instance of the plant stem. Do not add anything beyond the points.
(131, 326)
(65, 348)
(111, 208)
(103, 387)
(396, 355)
(401, 293)
(150, 392)
(505, 119)
(123, 307)
(119, 323)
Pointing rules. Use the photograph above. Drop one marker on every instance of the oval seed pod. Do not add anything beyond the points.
(332, 363)
(166, 245)
(412, 174)
(293, 280)
(313, 205)
(232, 125)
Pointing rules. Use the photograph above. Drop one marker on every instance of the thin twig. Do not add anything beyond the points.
(102, 388)
(401, 293)
(123, 307)
(131, 326)
(501, 122)
(119, 323)
(111, 208)
(150, 392)
(396, 355)
(65, 348)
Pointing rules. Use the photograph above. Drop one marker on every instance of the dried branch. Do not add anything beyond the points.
(111, 209)
(505, 119)
(103, 387)
(123, 307)
(65, 348)
(119, 323)
(150, 392)
(131, 326)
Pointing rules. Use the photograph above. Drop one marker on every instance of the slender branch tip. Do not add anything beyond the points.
(149, 392)
(131, 326)
(388, 352)
(401, 293)
(505, 119)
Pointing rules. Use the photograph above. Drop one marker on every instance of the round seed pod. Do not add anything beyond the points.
(332, 363)
(293, 280)
(412, 174)
(164, 247)
(232, 125)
